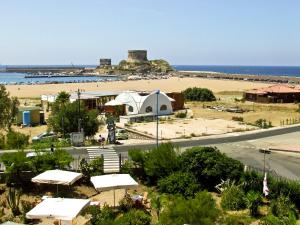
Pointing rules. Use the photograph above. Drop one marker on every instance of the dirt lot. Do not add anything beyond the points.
(271, 112)
(180, 128)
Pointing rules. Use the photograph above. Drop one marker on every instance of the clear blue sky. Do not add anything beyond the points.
(199, 32)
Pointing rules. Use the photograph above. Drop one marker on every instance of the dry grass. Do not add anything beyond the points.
(271, 112)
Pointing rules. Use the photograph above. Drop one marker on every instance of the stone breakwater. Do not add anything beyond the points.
(241, 77)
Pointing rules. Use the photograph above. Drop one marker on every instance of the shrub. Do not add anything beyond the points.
(134, 216)
(199, 210)
(2, 141)
(161, 162)
(253, 201)
(126, 204)
(233, 198)
(181, 183)
(282, 207)
(93, 168)
(104, 216)
(273, 220)
(210, 166)
(286, 188)
(263, 123)
(237, 118)
(181, 115)
(236, 220)
(198, 94)
(16, 140)
(59, 159)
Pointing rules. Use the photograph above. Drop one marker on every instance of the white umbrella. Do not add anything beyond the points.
(58, 208)
(57, 177)
(113, 181)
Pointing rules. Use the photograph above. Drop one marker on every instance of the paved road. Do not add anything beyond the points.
(246, 150)
(218, 139)
(242, 147)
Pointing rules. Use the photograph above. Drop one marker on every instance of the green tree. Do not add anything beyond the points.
(198, 94)
(181, 183)
(210, 166)
(16, 140)
(200, 210)
(161, 162)
(15, 163)
(8, 108)
(66, 119)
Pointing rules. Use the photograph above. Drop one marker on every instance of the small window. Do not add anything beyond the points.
(163, 108)
(148, 109)
(130, 109)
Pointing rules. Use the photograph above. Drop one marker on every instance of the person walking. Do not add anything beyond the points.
(101, 141)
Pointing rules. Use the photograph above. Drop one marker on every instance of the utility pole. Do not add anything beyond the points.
(157, 94)
(79, 114)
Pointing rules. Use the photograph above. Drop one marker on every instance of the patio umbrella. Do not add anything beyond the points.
(113, 182)
(57, 177)
(63, 209)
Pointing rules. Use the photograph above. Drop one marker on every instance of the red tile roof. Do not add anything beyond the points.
(278, 88)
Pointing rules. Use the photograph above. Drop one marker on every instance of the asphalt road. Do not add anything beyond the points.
(245, 148)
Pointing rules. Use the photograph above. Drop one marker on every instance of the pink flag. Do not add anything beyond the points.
(265, 186)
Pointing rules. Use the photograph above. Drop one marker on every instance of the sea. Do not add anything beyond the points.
(290, 71)
(19, 78)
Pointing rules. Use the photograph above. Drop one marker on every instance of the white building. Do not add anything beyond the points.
(138, 104)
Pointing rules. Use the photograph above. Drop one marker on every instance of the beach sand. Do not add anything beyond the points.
(166, 85)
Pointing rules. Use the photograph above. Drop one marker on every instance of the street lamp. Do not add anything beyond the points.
(157, 94)
(79, 118)
(264, 151)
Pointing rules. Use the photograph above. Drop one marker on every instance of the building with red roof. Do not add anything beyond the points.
(279, 93)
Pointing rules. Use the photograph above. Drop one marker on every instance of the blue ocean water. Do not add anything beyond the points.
(293, 71)
(12, 78)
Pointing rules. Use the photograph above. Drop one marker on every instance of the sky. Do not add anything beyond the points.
(189, 32)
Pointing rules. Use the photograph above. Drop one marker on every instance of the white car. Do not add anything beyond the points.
(45, 136)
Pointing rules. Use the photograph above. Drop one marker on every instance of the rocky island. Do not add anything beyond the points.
(137, 62)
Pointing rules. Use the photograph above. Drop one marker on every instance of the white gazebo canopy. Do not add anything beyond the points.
(58, 208)
(113, 181)
(57, 177)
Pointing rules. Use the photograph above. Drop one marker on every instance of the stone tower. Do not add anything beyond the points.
(137, 56)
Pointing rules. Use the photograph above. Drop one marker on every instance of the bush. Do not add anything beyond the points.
(199, 94)
(59, 159)
(253, 201)
(199, 210)
(236, 220)
(210, 166)
(16, 140)
(181, 115)
(134, 216)
(2, 141)
(161, 162)
(262, 123)
(233, 198)
(93, 168)
(273, 220)
(282, 207)
(237, 118)
(104, 216)
(181, 183)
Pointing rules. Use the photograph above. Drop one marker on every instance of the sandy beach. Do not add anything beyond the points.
(167, 85)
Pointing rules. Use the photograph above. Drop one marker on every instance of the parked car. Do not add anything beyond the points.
(45, 137)
(121, 134)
